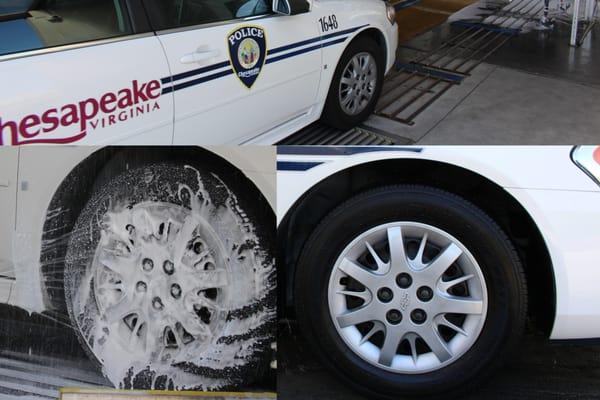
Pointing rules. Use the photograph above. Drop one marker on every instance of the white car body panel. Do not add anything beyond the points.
(228, 110)
(562, 200)
(288, 94)
(38, 84)
(568, 221)
(24, 204)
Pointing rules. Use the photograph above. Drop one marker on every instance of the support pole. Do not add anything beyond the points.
(575, 23)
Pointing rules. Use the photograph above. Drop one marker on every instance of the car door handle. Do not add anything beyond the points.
(199, 56)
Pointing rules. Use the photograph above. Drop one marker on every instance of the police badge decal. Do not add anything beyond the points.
(247, 53)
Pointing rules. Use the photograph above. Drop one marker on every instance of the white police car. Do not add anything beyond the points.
(188, 71)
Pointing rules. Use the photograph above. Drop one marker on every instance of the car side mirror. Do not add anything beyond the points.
(291, 7)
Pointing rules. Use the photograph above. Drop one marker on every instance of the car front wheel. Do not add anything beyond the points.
(356, 84)
(411, 291)
(170, 280)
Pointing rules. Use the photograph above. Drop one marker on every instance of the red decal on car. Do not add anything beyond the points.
(108, 109)
(597, 154)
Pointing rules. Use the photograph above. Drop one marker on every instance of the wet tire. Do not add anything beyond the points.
(334, 113)
(411, 207)
(170, 280)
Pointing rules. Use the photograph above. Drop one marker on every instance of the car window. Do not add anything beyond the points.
(166, 14)
(37, 24)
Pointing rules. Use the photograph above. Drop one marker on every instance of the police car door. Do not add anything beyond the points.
(75, 71)
(239, 70)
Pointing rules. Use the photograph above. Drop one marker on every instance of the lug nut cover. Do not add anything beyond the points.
(157, 303)
(404, 280)
(425, 293)
(176, 290)
(394, 316)
(385, 295)
(147, 264)
(418, 316)
(168, 267)
(141, 286)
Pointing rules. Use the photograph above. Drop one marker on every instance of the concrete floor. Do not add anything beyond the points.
(498, 105)
(38, 356)
(538, 370)
(536, 89)
(513, 107)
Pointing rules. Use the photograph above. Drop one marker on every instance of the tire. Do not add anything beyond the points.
(334, 114)
(496, 289)
(170, 280)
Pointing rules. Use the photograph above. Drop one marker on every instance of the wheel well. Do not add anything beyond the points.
(372, 33)
(315, 204)
(379, 38)
(78, 186)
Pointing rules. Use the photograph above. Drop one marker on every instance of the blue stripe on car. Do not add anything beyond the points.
(199, 71)
(340, 150)
(302, 51)
(297, 165)
(322, 40)
(314, 40)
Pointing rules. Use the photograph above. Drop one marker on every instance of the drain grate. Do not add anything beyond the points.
(323, 135)
(417, 84)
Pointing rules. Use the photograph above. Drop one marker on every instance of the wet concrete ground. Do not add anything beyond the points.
(39, 355)
(539, 370)
(535, 89)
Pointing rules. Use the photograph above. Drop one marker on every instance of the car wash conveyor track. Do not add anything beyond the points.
(323, 135)
(417, 84)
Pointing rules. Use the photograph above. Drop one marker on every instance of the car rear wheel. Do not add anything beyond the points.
(169, 281)
(410, 290)
(356, 84)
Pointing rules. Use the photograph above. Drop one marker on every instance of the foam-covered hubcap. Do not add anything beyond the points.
(358, 83)
(407, 297)
(161, 276)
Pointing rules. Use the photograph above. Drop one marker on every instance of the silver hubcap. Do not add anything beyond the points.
(407, 297)
(358, 83)
(160, 280)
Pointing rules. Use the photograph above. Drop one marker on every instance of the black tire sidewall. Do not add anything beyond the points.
(483, 238)
(333, 114)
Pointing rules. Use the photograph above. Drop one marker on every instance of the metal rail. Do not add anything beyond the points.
(323, 135)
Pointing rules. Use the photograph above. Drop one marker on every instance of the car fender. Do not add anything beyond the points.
(361, 14)
(300, 168)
